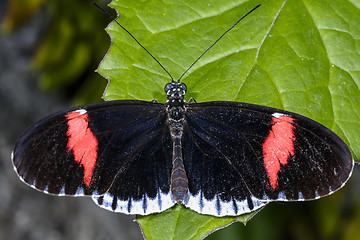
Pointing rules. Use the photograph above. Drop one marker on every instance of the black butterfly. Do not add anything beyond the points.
(217, 158)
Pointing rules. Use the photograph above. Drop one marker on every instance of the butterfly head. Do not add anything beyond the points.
(175, 92)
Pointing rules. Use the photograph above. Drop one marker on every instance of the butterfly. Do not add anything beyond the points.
(219, 158)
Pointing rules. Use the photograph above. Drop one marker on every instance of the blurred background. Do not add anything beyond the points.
(49, 51)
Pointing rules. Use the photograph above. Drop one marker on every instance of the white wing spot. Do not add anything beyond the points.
(62, 191)
(234, 207)
(317, 196)
(301, 197)
(46, 190)
(277, 115)
(282, 196)
(143, 206)
(80, 192)
(81, 111)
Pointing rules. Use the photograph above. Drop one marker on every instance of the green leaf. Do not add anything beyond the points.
(182, 223)
(301, 56)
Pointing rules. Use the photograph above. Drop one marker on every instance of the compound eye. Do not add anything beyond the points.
(168, 87)
(183, 87)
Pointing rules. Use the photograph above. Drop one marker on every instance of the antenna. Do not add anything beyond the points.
(172, 79)
(217, 41)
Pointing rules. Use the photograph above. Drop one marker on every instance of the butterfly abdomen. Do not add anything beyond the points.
(179, 181)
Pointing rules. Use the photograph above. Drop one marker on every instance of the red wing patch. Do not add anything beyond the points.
(278, 146)
(82, 143)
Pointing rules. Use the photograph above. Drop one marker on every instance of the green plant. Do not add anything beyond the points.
(300, 56)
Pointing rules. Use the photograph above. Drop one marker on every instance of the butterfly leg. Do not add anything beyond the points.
(192, 100)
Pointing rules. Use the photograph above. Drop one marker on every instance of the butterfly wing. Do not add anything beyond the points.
(119, 152)
(240, 156)
(237, 156)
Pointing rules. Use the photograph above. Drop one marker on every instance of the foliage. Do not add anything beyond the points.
(72, 47)
(299, 56)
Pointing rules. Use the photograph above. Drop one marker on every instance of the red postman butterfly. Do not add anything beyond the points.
(217, 158)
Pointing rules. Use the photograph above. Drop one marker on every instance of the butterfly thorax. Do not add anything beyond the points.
(176, 107)
(175, 101)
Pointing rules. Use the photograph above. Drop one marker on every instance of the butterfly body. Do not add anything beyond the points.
(176, 108)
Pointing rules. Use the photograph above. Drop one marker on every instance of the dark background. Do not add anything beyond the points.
(24, 212)
(29, 214)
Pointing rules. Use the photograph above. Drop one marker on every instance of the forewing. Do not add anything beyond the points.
(238, 150)
(121, 145)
